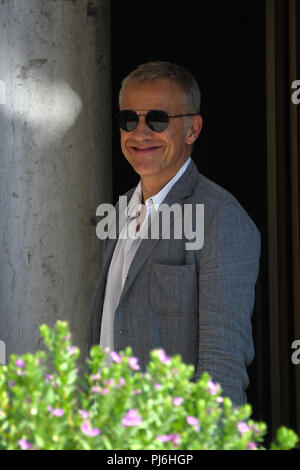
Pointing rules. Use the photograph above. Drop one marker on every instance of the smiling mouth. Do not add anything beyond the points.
(145, 149)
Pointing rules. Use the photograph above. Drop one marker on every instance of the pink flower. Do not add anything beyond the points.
(95, 377)
(192, 421)
(251, 445)
(133, 363)
(48, 378)
(220, 399)
(88, 431)
(24, 444)
(177, 401)
(115, 357)
(175, 438)
(242, 427)
(162, 356)
(122, 382)
(213, 388)
(72, 349)
(157, 386)
(109, 382)
(105, 391)
(96, 389)
(58, 412)
(254, 429)
(84, 414)
(20, 363)
(131, 418)
(165, 438)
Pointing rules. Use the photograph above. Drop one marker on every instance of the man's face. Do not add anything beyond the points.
(156, 154)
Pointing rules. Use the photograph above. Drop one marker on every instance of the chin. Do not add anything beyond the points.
(143, 168)
(146, 172)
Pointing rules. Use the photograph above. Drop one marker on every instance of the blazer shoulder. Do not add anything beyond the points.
(126, 195)
(217, 199)
(212, 192)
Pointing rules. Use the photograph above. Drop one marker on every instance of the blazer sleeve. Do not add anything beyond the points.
(228, 270)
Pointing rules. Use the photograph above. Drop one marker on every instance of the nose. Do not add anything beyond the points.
(142, 130)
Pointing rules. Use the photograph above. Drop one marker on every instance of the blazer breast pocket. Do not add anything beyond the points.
(174, 289)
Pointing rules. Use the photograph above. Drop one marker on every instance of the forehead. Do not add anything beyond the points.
(160, 94)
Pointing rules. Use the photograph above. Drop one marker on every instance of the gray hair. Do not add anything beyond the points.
(160, 70)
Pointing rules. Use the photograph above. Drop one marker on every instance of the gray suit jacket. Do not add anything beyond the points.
(196, 303)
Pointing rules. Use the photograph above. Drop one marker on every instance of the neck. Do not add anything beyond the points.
(150, 188)
(151, 185)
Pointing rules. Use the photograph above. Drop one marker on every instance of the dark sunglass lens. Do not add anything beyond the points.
(157, 120)
(128, 120)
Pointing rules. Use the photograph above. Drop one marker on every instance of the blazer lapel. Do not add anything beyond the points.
(181, 189)
(108, 250)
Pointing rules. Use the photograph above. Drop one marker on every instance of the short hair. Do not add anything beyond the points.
(160, 70)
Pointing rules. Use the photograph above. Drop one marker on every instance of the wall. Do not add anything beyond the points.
(55, 154)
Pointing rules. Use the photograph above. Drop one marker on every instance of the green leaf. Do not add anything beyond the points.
(100, 396)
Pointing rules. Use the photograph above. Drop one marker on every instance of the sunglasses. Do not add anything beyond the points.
(158, 121)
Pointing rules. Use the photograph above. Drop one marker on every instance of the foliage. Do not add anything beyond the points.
(44, 404)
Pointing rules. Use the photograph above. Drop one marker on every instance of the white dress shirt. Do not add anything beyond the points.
(129, 240)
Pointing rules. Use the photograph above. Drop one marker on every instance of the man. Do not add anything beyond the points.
(154, 292)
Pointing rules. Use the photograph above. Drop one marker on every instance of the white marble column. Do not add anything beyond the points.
(55, 162)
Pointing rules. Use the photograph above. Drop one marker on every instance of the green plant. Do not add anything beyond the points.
(44, 404)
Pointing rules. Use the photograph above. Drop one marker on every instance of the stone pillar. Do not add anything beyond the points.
(55, 163)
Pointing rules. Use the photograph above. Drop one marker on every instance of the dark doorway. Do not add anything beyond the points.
(223, 45)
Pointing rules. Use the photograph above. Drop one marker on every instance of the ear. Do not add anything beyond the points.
(194, 129)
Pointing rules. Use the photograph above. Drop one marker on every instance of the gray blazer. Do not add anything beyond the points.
(196, 303)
